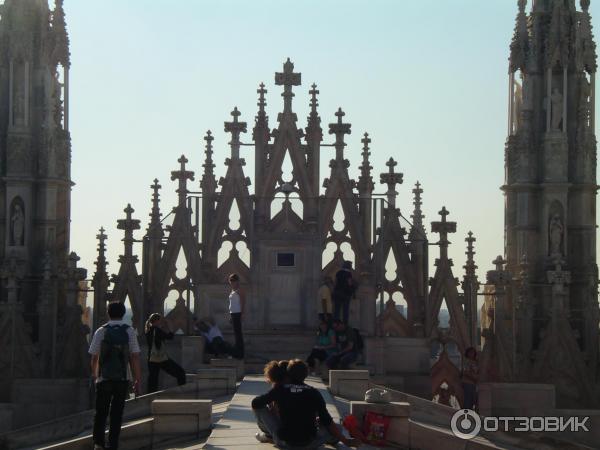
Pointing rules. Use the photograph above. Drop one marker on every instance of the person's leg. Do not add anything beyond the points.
(236, 320)
(102, 406)
(346, 310)
(333, 361)
(311, 358)
(119, 395)
(469, 395)
(175, 370)
(153, 369)
(347, 359)
(268, 422)
(321, 355)
(337, 307)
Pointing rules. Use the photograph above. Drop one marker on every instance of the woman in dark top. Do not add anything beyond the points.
(157, 332)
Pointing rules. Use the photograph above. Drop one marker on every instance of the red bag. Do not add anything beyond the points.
(375, 427)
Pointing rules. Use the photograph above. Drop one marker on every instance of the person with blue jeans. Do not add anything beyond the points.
(347, 352)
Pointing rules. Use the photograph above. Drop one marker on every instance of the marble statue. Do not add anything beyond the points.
(17, 221)
(555, 235)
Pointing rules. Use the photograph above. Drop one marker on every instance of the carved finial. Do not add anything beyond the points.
(235, 128)
(443, 227)
(417, 230)
(262, 103)
(470, 266)
(208, 182)
(339, 129)
(519, 47)
(499, 262)
(585, 5)
(60, 38)
(365, 181)
(287, 79)
(522, 5)
(314, 103)
(182, 175)
(391, 178)
(128, 225)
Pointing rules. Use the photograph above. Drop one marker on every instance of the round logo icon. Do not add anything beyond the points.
(465, 424)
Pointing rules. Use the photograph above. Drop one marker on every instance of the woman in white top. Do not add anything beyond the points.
(237, 301)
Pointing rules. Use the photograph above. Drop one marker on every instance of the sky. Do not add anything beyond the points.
(426, 79)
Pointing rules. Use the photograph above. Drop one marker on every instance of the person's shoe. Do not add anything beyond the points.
(263, 437)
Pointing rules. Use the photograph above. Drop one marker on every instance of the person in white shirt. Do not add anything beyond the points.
(215, 343)
(237, 300)
(113, 347)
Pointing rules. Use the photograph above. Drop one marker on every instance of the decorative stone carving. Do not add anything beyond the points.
(17, 222)
(556, 235)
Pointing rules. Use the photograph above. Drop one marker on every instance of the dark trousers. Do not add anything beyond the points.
(169, 366)
(341, 305)
(110, 398)
(316, 353)
(470, 392)
(236, 322)
(219, 347)
(342, 361)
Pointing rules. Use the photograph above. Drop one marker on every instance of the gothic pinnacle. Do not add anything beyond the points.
(417, 230)
(365, 181)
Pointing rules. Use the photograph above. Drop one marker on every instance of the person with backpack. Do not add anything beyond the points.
(349, 344)
(157, 332)
(114, 348)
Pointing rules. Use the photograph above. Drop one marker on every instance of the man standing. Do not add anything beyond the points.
(343, 291)
(237, 301)
(294, 423)
(347, 347)
(114, 347)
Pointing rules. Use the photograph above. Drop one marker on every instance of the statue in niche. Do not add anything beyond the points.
(556, 100)
(17, 223)
(19, 109)
(518, 106)
(555, 235)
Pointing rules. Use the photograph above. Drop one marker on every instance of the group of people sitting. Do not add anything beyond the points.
(293, 414)
(337, 345)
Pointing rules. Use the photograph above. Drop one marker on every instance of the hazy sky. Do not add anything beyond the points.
(426, 78)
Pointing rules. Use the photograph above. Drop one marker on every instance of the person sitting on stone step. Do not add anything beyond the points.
(298, 406)
(324, 346)
(347, 352)
(215, 343)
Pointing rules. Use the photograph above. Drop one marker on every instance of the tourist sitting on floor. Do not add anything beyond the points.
(157, 331)
(325, 345)
(346, 353)
(298, 406)
(469, 377)
(445, 396)
(215, 344)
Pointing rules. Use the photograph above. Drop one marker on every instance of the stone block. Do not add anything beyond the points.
(230, 363)
(192, 352)
(181, 416)
(349, 384)
(197, 407)
(225, 377)
(398, 412)
(506, 399)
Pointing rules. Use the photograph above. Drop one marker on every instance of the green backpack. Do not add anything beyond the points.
(114, 353)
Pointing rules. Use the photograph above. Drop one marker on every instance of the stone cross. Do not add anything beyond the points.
(365, 181)
(101, 259)
(391, 178)
(287, 79)
(339, 129)
(155, 211)
(182, 175)
(443, 227)
(208, 162)
(235, 128)
(417, 215)
(128, 225)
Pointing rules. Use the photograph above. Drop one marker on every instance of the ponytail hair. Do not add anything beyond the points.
(154, 317)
